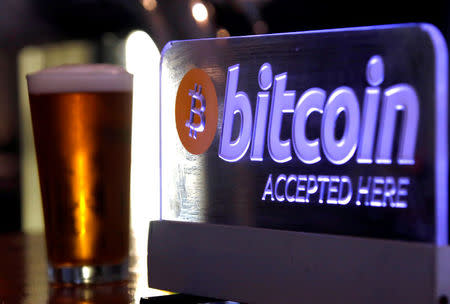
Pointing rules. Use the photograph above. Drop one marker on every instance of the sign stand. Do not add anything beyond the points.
(371, 190)
(256, 265)
(178, 299)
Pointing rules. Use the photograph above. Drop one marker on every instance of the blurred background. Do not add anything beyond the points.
(35, 34)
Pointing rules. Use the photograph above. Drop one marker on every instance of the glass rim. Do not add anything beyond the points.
(80, 78)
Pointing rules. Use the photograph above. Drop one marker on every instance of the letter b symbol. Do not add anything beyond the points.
(196, 111)
(235, 103)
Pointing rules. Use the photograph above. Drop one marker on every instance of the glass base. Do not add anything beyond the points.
(90, 274)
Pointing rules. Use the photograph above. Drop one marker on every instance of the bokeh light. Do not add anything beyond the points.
(199, 12)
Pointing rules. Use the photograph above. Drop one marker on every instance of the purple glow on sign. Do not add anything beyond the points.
(401, 97)
(375, 76)
(235, 103)
(382, 93)
(313, 100)
(265, 76)
(259, 129)
(342, 99)
(375, 71)
(441, 123)
(282, 102)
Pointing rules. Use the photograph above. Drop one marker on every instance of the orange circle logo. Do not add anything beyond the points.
(196, 111)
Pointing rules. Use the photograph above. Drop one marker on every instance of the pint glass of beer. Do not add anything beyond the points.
(81, 119)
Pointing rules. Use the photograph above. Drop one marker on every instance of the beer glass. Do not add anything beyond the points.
(81, 116)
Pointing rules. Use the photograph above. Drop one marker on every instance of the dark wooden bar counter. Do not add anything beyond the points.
(23, 277)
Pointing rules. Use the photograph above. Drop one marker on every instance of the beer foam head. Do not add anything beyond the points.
(80, 78)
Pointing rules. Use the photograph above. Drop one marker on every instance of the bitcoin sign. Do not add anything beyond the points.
(196, 111)
(341, 132)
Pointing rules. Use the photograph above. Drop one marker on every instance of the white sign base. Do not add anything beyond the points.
(255, 265)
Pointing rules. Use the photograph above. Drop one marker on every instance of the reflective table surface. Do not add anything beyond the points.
(23, 277)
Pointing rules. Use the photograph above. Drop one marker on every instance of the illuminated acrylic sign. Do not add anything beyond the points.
(341, 131)
(380, 191)
(400, 97)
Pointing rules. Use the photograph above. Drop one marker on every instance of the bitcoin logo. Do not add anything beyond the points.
(199, 127)
(196, 111)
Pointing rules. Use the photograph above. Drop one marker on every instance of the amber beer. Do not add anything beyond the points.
(81, 119)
